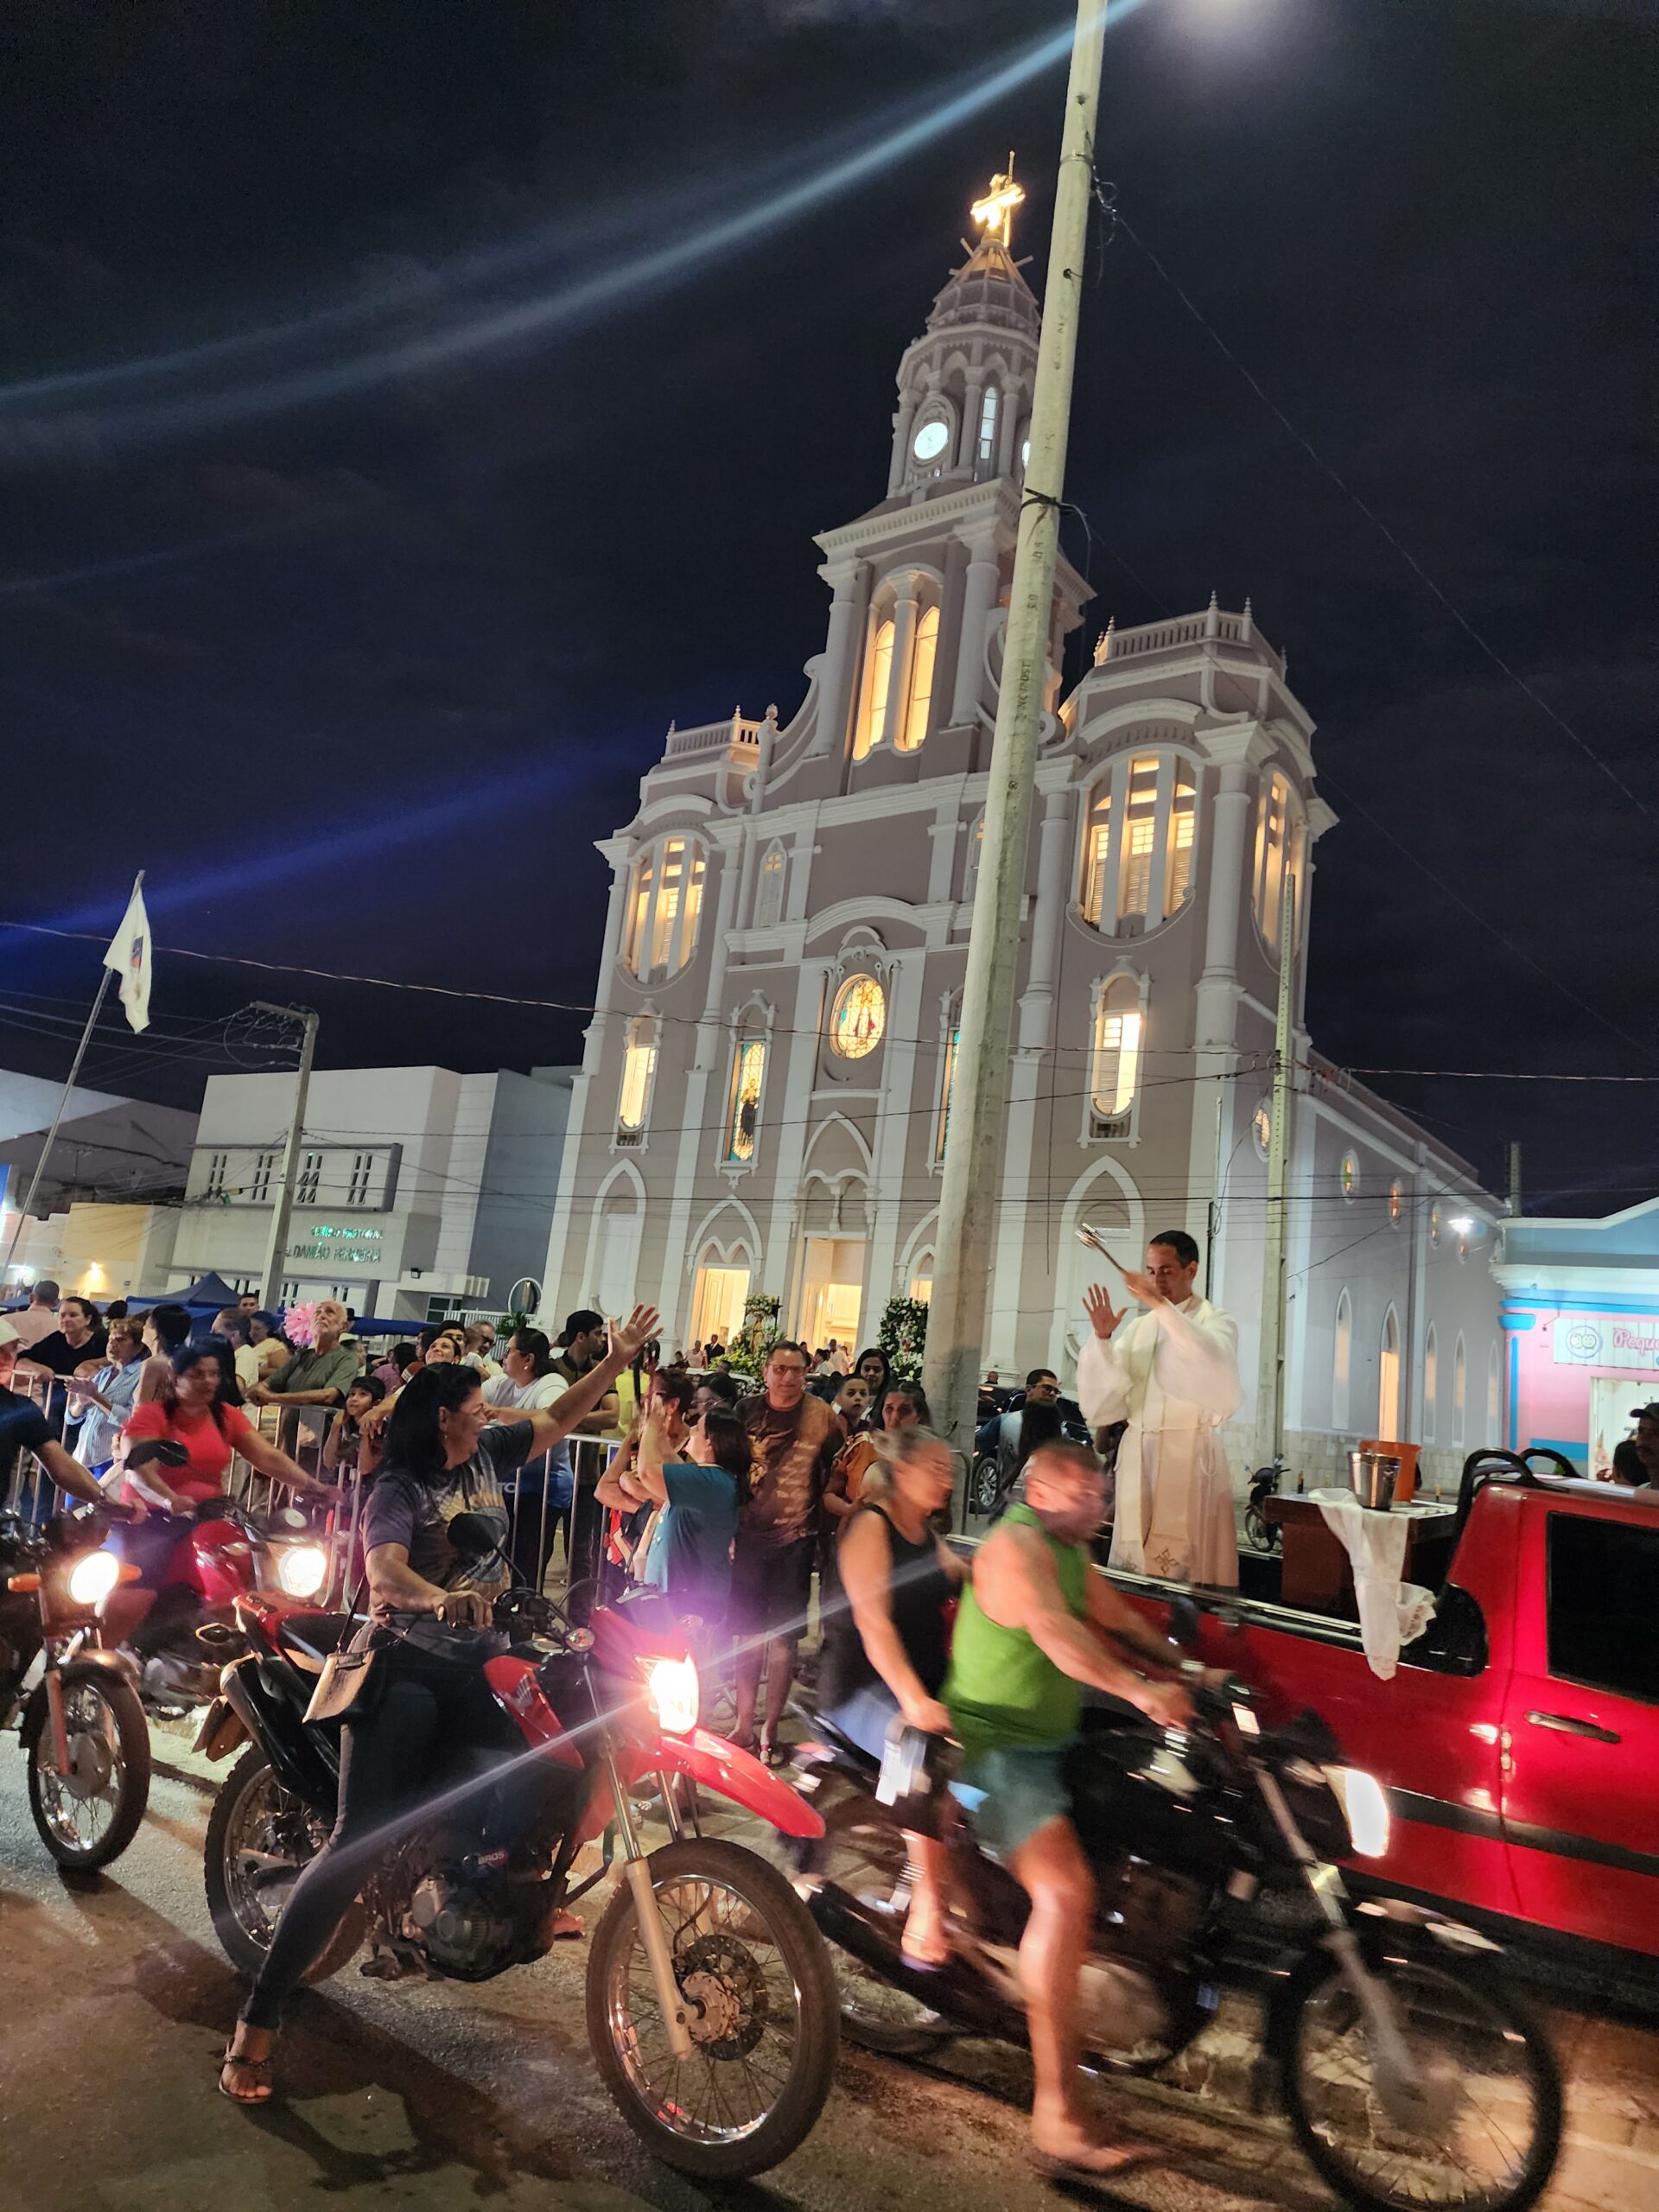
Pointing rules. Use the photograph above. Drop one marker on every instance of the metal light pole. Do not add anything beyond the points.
(276, 1249)
(1270, 1372)
(956, 1321)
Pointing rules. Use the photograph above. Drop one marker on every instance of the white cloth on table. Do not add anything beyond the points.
(1392, 1613)
(1172, 1373)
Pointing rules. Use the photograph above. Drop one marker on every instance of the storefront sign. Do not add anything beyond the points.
(1626, 1340)
(352, 1247)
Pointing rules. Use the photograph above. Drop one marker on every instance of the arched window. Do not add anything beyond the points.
(1388, 1381)
(1459, 1391)
(1279, 837)
(1137, 852)
(918, 703)
(638, 1079)
(987, 423)
(743, 1109)
(947, 1079)
(769, 893)
(1342, 1364)
(1494, 1398)
(970, 866)
(1117, 1059)
(872, 701)
(1431, 1383)
(664, 907)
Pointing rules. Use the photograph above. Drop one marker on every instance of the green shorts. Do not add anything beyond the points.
(1008, 1794)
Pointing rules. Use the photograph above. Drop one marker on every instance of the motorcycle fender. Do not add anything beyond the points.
(222, 1729)
(109, 1662)
(519, 1694)
(296, 1765)
(737, 1774)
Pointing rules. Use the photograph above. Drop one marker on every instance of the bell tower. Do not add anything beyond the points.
(965, 384)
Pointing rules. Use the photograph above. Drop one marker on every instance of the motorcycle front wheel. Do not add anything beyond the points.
(1484, 2137)
(259, 1837)
(762, 1997)
(88, 1814)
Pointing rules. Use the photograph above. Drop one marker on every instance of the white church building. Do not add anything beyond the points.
(764, 1101)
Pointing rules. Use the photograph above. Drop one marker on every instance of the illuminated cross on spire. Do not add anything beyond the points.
(994, 212)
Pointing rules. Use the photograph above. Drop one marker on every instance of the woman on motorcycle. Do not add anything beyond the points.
(444, 1457)
(885, 1659)
(196, 1413)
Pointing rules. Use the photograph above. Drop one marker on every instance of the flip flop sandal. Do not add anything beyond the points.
(1115, 2159)
(775, 1755)
(260, 2069)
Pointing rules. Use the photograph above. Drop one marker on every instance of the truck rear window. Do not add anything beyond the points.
(1604, 1594)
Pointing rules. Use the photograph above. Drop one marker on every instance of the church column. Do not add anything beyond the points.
(557, 1294)
(1217, 1106)
(905, 614)
(1007, 428)
(902, 422)
(1230, 821)
(847, 579)
(967, 444)
(706, 1053)
(979, 596)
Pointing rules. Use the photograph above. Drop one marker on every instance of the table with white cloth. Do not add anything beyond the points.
(1317, 1576)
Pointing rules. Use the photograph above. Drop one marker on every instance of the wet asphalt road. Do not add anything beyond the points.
(115, 1999)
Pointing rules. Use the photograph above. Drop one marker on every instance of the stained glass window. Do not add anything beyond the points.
(858, 1017)
(748, 1071)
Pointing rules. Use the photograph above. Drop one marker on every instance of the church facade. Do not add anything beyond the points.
(765, 1097)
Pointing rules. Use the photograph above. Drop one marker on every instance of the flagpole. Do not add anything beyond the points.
(63, 1105)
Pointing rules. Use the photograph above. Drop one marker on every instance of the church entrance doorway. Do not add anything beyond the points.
(832, 1290)
(717, 1304)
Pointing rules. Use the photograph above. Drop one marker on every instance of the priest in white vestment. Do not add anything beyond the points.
(1172, 1372)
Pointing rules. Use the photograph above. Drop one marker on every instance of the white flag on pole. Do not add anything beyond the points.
(129, 955)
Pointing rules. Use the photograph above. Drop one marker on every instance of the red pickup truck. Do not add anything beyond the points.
(1519, 1739)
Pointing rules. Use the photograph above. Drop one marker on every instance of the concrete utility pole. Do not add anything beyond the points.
(275, 1251)
(1270, 1373)
(968, 1199)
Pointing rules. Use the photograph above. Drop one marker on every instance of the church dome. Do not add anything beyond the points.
(988, 289)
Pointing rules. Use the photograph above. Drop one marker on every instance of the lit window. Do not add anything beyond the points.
(638, 1073)
(1117, 1049)
(1388, 1381)
(975, 852)
(858, 1018)
(665, 908)
(1278, 841)
(769, 897)
(1261, 1129)
(748, 1070)
(1431, 1382)
(1396, 1204)
(921, 1289)
(987, 423)
(924, 656)
(1341, 1363)
(1434, 1224)
(1350, 1173)
(873, 704)
(947, 1080)
(1138, 839)
(1459, 1391)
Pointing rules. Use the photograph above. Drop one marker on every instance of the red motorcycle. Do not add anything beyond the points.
(711, 2003)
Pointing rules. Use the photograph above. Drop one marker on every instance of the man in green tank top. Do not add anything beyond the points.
(1036, 1626)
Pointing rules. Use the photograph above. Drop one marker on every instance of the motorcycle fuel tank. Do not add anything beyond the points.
(1132, 1792)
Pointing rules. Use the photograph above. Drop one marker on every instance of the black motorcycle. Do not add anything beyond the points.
(75, 1704)
(1263, 1535)
(1410, 2071)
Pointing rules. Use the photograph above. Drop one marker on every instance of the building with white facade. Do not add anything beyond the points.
(421, 1191)
(764, 1100)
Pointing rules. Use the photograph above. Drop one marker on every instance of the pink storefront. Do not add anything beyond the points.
(1581, 1323)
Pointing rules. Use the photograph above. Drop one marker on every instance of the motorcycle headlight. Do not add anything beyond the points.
(1365, 1808)
(302, 1569)
(672, 1686)
(93, 1577)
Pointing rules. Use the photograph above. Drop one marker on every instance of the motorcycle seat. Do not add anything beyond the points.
(308, 1638)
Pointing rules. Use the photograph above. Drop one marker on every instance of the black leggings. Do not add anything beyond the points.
(432, 1714)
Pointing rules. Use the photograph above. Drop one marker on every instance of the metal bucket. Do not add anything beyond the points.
(1373, 1476)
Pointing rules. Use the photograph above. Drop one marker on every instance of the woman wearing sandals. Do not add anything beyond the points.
(444, 1457)
(886, 1657)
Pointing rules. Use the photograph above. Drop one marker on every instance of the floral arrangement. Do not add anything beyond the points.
(904, 1335)
(300, 1324)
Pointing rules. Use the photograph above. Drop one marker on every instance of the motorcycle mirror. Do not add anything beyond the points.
(1184, 1624)
(471, 1535)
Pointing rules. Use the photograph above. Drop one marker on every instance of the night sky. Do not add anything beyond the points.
(407, 409)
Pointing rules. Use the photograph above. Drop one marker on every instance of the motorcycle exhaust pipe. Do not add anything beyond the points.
(871, 1937)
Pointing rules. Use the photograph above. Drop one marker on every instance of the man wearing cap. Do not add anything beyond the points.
(1637, 1459)
(582, 1345)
